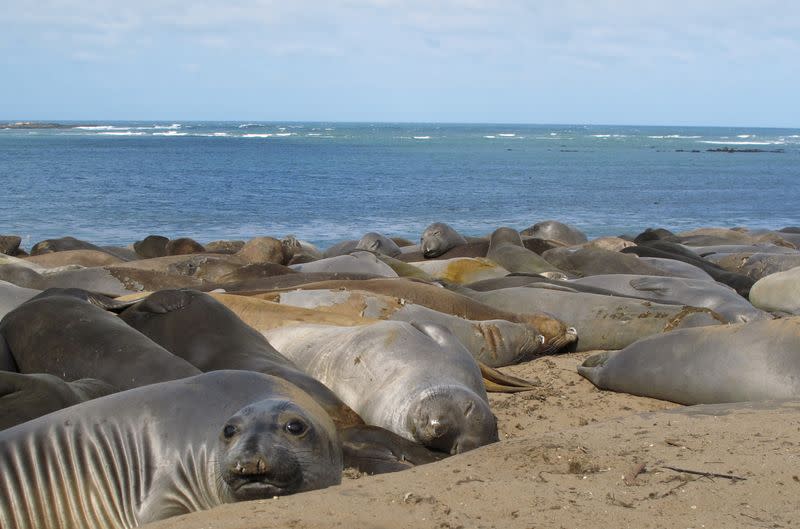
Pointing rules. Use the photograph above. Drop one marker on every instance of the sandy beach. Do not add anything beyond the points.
(570, 456)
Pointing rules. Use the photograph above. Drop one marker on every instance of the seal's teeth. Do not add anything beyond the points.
(239, 468)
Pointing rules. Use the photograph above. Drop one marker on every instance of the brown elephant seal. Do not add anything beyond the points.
(224, 246)
(706, 365)
(26, 397)
(60, 334)
(602, 322)
(557, 334)
(506, 249)
(59, 245)
(263, 250)
(377, 243)
(9, 244)
(496, 343)
(340, 248)
(438, 238)
(151, 246)
(168, 449)
(461, 270)
(183, 246)
(417, 380)
(87, 258)
(200, 329)
(556, 231)
(471, 249)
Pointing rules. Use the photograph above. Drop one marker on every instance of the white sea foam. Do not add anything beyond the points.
(247, 125)
(744, 136)
(674, 137)
(284, 134)
(421, 137)
(313, 134)
(507, 135)
(554, 133)
(101, 127)
(170, 133)
(490, 137)
(256, 135)
(743, 142)
(601, 135)
(126, 133)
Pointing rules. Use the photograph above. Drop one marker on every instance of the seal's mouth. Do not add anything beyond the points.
(256, 487)
(258, 480)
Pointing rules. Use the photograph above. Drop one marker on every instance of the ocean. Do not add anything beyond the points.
(116, 182)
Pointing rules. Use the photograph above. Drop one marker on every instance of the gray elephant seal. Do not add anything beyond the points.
(439, 238)
(26, 397)
(556, 231)
(65, 336)
(507, 250)
(706, 365)
(198, 328)
(147, 454)
(417, 380)
(375, 242)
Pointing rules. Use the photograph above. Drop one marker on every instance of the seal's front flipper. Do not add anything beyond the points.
(375, 450)
(498, 382)
(656, 285)
(592, 368)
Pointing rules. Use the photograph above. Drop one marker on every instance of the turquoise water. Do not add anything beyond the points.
(113, 183)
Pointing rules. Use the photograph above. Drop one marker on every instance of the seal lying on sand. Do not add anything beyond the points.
(705, 365)
(496, 343)
(602, 322)
(415, 380)
(63, 335)
(200, 329)
(506, 249)
(146, 454)
(26, 397)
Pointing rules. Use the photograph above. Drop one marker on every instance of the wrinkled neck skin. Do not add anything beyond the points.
(193, 483)
(81, 475)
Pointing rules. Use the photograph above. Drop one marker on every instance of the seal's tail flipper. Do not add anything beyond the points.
(498, 382)
(375, 450)
(592, 367)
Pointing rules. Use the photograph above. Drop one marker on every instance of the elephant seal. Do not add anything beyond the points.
(297, 251)
(151, 246)
(461, 270)
(417, 381)
(26, 397)
(9, 244)
(200, 329)
(675, 268)
(63, 335)
(183, 246)
(706, 365)
(665, 249)
(168, 449)
(506, 249)
(471, 249)
(377, 243)
(340, 248)
(439, 238)
(557, 334)
(495, 343)
(581, 261)
(59, 245)
(12, 296)
(779, 292)
(694, 292)
(556, 231)
(602, 322)
(87, 258)
(358, 262)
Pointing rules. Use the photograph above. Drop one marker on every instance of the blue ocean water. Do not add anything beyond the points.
(116, 182)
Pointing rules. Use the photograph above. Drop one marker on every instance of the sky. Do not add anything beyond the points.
(637, 62)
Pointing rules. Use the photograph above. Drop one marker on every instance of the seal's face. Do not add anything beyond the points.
(432, 241)
(453, 420)
(275, 447)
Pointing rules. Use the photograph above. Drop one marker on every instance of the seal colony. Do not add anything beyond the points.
(375, 354)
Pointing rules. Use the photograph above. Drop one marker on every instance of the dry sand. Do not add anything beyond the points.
(571, 456)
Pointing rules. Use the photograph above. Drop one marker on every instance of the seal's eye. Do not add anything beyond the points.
(229, 431)
(296, 427)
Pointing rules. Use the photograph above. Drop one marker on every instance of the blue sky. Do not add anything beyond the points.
(700, 62)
